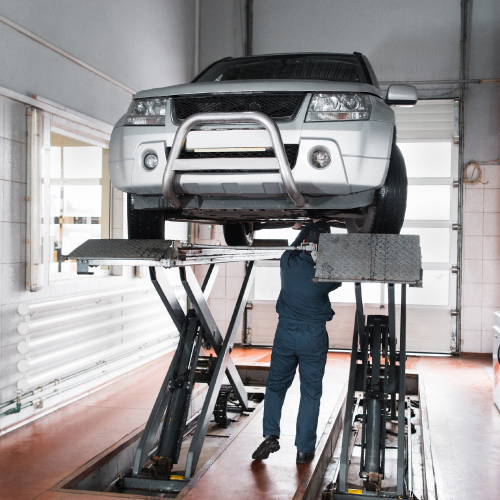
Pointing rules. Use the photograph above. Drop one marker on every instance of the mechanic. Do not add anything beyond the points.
(301, 339)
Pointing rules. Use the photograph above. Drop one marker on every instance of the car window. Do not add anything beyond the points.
(334, 68)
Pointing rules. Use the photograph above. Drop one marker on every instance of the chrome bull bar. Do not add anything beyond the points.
(242, 117)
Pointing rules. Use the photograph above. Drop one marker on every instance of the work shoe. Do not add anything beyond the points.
(303, 458)
(269, 445)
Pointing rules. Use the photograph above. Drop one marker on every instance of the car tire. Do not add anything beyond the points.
(238, 235)
(386, 214)
(144, 224)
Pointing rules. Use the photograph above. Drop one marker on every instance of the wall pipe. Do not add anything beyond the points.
(74, 375)
(197, 30)
(65, 54)
(40, 377)
(465, 14)
(25, 308)
(99, 364)
(28, 364)
(249, 27)
(38, 325)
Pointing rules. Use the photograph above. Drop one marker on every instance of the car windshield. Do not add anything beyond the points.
(331, 67)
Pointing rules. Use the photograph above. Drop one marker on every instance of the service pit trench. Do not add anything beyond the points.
(102, 474)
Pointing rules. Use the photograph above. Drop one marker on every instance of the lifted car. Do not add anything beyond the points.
(264, 141)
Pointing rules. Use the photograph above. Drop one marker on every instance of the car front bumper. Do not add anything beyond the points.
(359, 150)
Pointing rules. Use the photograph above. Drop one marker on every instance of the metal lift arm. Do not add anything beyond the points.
(174, 398)
(211, 331)
(223, 359)
(168, 297)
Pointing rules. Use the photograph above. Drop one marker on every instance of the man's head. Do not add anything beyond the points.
(317, 229)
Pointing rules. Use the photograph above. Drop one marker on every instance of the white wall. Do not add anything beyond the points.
(404, 40)
(481, 264)
(398, 37)
(13, 229)
(143, 45)
(220, 30)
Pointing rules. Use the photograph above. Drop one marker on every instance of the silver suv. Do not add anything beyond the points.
(264, 141)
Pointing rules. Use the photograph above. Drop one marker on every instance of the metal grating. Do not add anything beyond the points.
(277, 106)
(389, 258)
(291, 151)
(122, 249)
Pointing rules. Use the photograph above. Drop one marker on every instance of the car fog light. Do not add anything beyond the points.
(320, 158)
(151, 161)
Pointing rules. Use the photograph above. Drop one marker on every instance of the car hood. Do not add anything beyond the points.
(240, 86)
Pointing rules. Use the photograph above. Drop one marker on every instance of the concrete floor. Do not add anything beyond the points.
(464, 425)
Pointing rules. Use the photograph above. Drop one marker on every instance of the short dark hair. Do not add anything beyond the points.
(317, 229)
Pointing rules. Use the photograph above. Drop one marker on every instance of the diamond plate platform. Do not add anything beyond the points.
(165, 253)
(380, 258)
(122, 249)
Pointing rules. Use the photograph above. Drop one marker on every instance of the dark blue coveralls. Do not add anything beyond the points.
(301, 339)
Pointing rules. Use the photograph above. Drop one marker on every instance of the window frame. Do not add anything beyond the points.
(45, 117)
(106, 202)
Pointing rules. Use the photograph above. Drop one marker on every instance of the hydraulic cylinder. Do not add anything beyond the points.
(373, 432)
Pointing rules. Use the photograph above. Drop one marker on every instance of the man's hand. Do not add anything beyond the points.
(299, 225)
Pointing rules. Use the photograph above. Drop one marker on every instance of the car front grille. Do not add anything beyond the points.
(291, 151)
(277, 106)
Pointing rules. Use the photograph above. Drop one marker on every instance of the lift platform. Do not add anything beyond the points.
(377, 368)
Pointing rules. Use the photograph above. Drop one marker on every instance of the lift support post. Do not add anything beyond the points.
(377, 369)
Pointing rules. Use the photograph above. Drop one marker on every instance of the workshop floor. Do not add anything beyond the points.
(464, 426)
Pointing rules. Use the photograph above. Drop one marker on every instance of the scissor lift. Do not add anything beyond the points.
(165, 427)
(353, 258)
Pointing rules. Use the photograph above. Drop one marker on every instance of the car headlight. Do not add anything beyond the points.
(146, 112)
(334, 107)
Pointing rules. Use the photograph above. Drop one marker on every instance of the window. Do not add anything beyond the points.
(79, 200)
(430, 210)
(331, 67)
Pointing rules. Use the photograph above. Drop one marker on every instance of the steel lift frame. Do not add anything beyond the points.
(163, 435)
(383, 388)
(356, 258)
(377, 368)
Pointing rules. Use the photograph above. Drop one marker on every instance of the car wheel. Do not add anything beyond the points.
(145, 224)
(387, 212)
(238, 235)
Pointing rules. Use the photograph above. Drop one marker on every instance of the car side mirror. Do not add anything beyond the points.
(404, 95)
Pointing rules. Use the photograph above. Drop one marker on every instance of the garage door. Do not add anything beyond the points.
(426, 138)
